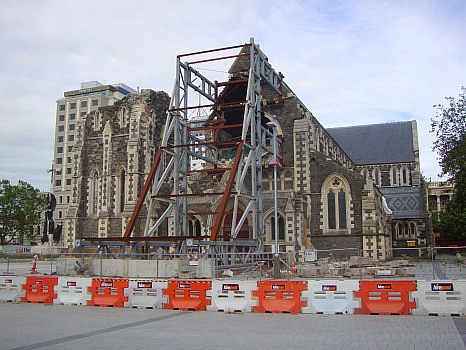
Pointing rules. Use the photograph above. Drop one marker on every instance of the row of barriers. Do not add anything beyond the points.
(383, 297)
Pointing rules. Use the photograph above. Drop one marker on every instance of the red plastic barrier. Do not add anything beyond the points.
(108, 292)
(40, 289)
(187, 294)
(385, 297)
(279, 296)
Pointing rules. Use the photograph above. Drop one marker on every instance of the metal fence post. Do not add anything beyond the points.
(359, 264)
(100, 264)
(433, 262)
(7, 264)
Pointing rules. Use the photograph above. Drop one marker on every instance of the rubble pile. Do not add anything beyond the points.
(355, 267)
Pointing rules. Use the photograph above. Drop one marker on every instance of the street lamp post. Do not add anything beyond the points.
(276, 163)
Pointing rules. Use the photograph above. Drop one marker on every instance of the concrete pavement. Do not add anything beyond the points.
(38, 326)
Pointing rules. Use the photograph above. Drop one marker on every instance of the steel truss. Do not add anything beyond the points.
(194, 92)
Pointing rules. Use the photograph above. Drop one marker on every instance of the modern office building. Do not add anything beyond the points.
(75, 105)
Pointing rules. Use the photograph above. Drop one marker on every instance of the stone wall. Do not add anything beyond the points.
(114, 150)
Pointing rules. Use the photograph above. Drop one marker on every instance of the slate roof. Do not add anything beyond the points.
(404, 202)
(377, 143)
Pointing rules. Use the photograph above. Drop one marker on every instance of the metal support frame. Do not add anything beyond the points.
(179, 145)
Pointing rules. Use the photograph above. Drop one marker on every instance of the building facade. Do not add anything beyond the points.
(388, 155)
(71, 109)
(113, 153)
(336, 189)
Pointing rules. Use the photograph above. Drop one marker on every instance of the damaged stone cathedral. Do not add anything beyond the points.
(357, 187)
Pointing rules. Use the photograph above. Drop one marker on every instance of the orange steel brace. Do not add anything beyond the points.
(142, 196)
(226, 194)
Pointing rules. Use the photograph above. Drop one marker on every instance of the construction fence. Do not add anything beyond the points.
(421, 263)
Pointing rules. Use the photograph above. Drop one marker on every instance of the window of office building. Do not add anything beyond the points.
(57, 182)
(59, 161)
(73, 105)
(68, 159)
(68, 170)
(70, 148)
(71, 127)
(70, 137)
(61, 128)
(95, 102)
(59, 149)
(60, 139)
(61, 118)
(83, 104)
(68, 182)
(61, 107)
(73, 116)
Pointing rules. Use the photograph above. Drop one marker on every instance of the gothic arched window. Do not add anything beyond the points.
(94, 192)
(194, 227)
(97, 120)
(364, 174)
(281, 227)
(336, 201)
(376, 176)
(404, 176)
(287, 181)
(394, 176)
(413, 230)
(123, 117)
(122, 188)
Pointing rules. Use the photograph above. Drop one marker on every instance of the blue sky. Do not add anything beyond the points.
(350, 62)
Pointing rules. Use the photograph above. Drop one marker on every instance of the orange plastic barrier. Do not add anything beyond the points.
(385, 297)
(40, 289)
(279, 296)
(187, 294)
(108, 292)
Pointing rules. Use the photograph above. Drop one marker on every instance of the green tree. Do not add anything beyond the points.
(449, 126)
(21, 207)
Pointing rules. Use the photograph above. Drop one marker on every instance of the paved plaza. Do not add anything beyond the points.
(38, 326)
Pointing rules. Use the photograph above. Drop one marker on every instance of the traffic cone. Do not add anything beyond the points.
(34, 265)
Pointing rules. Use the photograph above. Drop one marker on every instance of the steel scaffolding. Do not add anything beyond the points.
(248, 138)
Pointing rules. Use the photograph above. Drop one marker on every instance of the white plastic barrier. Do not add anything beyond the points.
(331, 297)
(146, 293)
(11, 288)
(442, 298)
(232, 296)
(73, 290)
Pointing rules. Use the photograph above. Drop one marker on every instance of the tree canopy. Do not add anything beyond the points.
(449, 126)
(21, 207)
